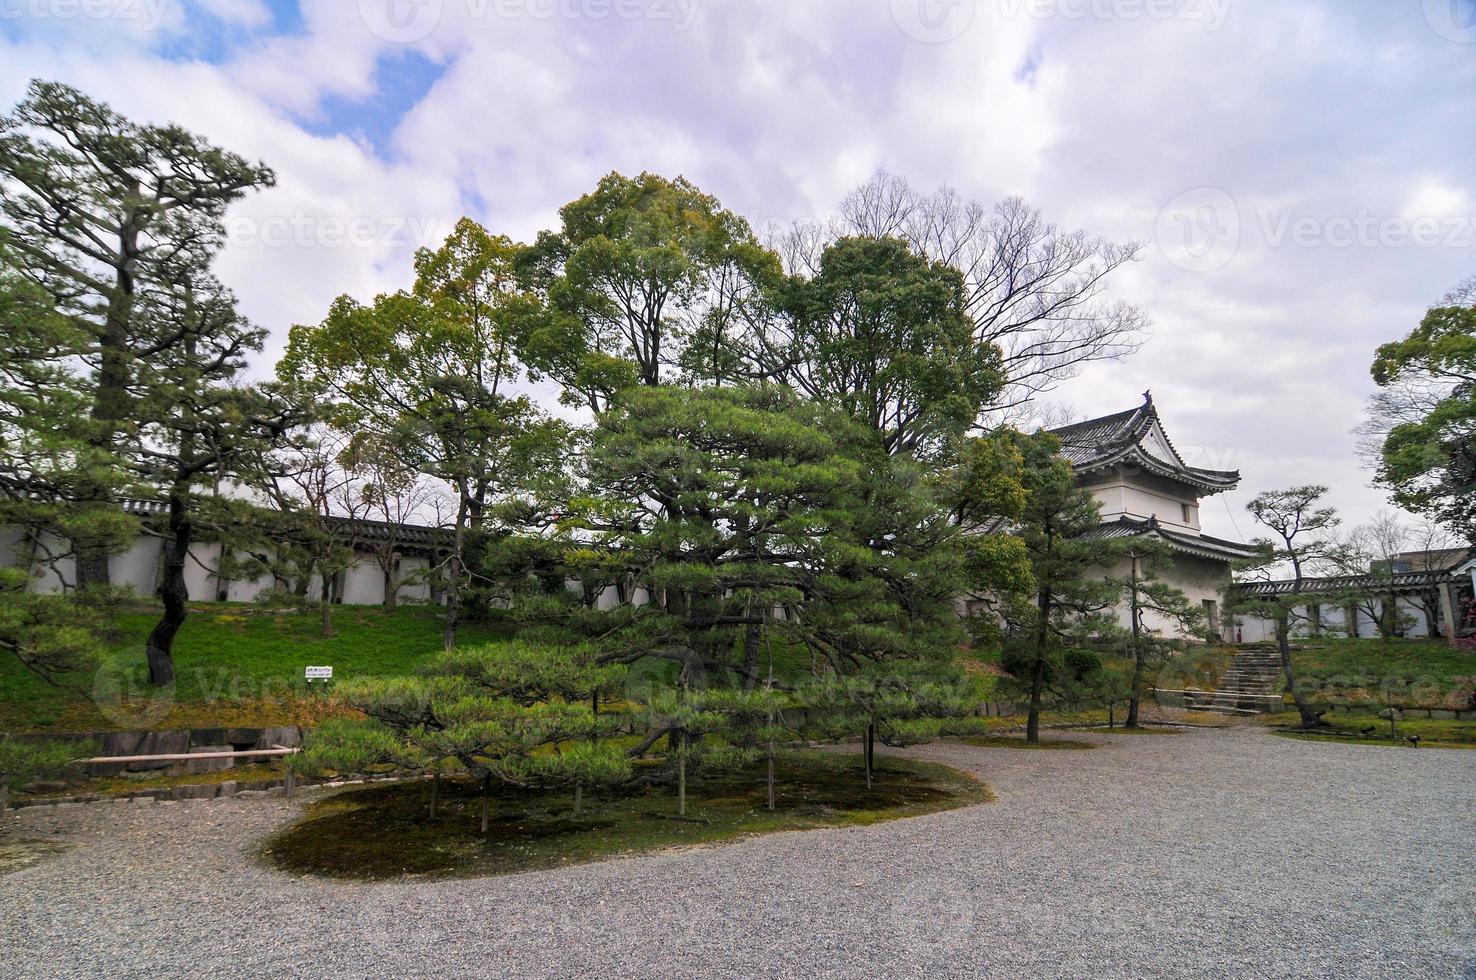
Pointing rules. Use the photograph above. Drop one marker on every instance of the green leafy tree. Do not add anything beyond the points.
(647, 280)
(740, 517)
(110, 219)
(1426, 415)
(49, 460)
(884, 334)
(432, 372)
(50, 635)
(1173, 616)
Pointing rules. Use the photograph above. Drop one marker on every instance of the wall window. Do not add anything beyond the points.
(1188, 512)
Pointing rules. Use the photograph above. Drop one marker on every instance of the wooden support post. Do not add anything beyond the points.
(290, 783)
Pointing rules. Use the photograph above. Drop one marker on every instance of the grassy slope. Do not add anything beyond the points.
(1419, 673)
(236, 665)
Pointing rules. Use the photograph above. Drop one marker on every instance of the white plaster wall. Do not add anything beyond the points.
(1200, 579)
(413, 584)
(137, 568)
(363, 584)
(1119, 499)
(1334, 623)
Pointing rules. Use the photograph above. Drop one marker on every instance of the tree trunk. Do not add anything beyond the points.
(751, 636)
(326, 592)
(771, 774)
(391, 587)
(453, 577)
(869, 751)
(1038, 670)
(92, 565)
(435, 793)
(486, 801)
(681, 773)
(1310, 718)
(1138, 664)
(172, 591)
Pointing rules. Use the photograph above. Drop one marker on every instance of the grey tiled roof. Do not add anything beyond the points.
(361, 530)
(1118, 439)
(1197, 545)
(1398, 582)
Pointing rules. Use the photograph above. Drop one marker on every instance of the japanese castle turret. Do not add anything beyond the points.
(1145, 488)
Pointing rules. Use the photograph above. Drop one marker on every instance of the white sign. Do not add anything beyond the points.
(319, 673)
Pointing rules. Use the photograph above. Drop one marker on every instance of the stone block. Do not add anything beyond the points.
(244, 738)
(208, 736)
(199, 792)
(227, 788)
(289, 737)
(160, 743)
(209, 765)
(122, 743)
(1442, 714)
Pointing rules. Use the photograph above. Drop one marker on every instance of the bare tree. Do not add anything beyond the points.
(388, 492)
(1370, 550)
(1033, 289)
(313, 487)
(1302, 539)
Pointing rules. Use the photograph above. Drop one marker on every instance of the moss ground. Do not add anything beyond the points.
(1370, 729)
(385, 831)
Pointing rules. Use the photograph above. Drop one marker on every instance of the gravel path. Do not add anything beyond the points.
(1209, 854)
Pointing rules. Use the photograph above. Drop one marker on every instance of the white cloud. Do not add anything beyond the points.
(1319, 112)
(246, 13)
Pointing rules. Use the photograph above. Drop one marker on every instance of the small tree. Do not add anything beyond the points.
(1302, 540)
(1148, 595)
(512, 714)
(313, 489)
(1048, 629)
(395, 498)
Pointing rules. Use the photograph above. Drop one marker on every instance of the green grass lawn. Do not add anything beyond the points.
(1369, 729)
(385, 831)
(236, 664)
(1416, 673)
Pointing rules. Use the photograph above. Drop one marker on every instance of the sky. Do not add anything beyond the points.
(1302, 174)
